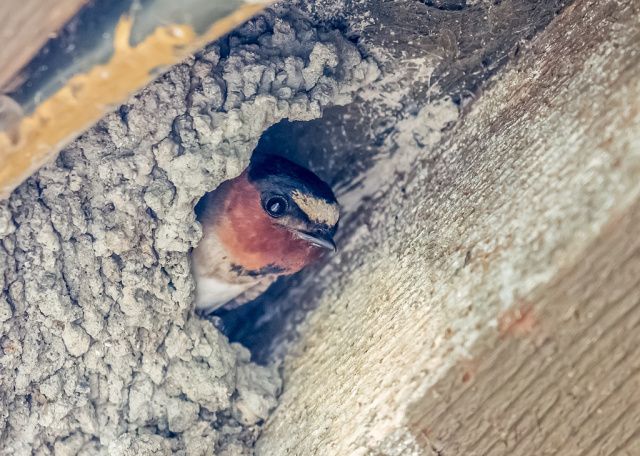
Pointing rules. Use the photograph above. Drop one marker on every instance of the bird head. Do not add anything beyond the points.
(274, 218)
(295, 199)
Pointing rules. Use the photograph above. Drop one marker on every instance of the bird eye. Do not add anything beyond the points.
(276, 206)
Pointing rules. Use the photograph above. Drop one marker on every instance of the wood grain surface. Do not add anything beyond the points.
(491, 306)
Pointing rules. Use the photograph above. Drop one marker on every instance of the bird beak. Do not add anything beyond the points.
(322, 240)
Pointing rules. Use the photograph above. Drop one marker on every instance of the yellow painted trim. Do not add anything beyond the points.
(87, 97)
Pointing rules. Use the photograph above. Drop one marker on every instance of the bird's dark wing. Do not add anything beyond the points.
(251, 294)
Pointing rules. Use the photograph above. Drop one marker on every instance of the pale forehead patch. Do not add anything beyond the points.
(317, 209)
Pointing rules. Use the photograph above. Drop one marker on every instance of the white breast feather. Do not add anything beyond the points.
(212, 293)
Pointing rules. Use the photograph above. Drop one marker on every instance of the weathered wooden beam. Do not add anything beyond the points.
(25, 25)
(491, 305)
(561, 373)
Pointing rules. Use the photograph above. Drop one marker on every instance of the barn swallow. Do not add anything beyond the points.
(272, 220)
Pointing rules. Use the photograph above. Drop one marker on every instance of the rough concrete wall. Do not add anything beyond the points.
(457, 256)
(99, 350)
